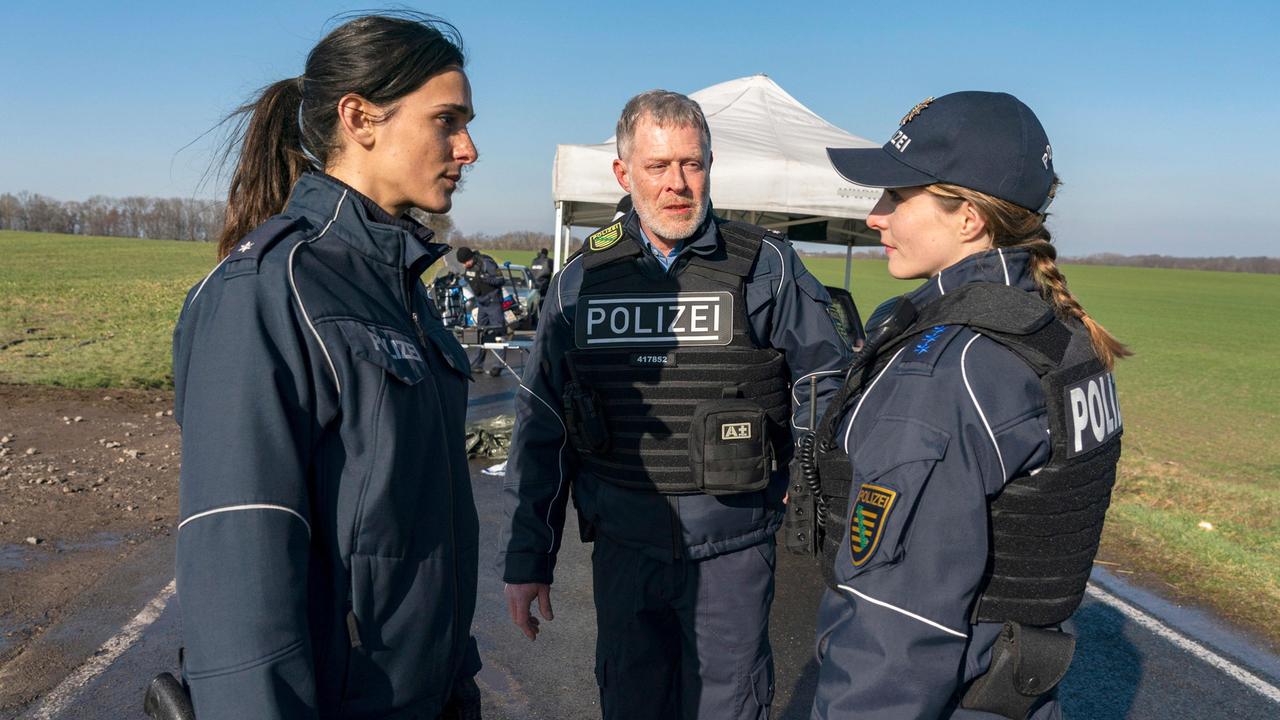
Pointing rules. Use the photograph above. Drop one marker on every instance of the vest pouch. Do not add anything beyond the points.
(585, 420)
(729, 448)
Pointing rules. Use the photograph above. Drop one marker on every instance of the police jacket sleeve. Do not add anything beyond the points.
(800, 326)
(539, 467)
(895, 635)
(249, 406)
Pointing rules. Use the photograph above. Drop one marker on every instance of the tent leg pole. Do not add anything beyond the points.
(555, 262)
(848, 262)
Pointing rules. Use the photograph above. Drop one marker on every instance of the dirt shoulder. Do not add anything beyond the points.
(87, 477)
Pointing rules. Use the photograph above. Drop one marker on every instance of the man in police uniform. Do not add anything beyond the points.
(659, 392)
(540, 269)
(481, 272)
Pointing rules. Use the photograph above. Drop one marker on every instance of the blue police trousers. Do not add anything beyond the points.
(490, 316)
(683, 639)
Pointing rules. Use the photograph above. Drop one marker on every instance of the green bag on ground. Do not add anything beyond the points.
(489, 438)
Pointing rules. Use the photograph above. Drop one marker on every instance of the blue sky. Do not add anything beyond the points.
(1164, 116)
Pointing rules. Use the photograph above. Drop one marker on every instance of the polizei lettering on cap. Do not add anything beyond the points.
(1093, 415)
(643, 320)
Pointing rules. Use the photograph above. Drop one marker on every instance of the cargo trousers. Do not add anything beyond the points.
(683, 639)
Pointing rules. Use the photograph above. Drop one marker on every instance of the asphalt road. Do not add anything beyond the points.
(1138, 656)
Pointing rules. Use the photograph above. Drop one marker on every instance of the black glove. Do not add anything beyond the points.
(464, 704)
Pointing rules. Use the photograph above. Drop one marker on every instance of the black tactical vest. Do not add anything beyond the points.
(1045, 527)
(690, 403)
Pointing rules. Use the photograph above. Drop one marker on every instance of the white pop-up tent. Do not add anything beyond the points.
(770, 168)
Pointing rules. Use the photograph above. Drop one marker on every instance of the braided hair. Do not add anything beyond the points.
(1013, 226)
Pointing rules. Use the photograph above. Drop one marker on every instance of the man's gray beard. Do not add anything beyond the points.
(674, 230)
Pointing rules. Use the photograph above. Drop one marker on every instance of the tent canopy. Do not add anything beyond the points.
(769, 167)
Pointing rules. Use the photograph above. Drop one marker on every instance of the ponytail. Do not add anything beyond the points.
(292, 125)
(271, 160)
(1012, 226)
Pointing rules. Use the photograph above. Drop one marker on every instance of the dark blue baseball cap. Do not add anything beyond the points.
(984, 141)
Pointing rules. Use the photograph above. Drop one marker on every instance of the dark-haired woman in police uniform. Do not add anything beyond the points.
(981, 428)
(328, 547)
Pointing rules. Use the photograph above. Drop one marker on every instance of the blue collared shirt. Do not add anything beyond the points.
(666, 260)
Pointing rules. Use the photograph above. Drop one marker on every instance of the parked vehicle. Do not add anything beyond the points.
(456, 301)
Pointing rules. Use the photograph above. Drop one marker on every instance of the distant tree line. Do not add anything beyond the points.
(201, 221)
(1259, 264)
(1226, 264)
(141, 217)
(522, 240)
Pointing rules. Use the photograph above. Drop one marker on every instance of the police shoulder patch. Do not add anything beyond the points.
(867, 521)
(605, 237)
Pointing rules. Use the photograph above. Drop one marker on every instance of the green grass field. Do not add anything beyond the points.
(91, 311)
(1201, 399)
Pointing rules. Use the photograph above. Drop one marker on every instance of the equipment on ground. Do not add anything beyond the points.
(456, 300)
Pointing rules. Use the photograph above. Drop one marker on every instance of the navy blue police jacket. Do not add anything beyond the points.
(939, 431)
(786, 309)
(486, 279)
(327, 547)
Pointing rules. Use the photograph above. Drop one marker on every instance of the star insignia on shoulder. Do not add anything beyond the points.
(245, 247)
(919, 108)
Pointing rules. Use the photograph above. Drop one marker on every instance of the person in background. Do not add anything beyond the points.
(328, 543)
(981, 431)
(658, 394)
(540, 269)
(485, 278)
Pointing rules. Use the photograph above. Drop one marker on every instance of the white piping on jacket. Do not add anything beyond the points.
(781, 262)
(863, 399)
(795, 399)
(560, 463)
(560, 294)
(964, 373)
(206, 279)
(298, 297)
(908, 613)
(254, 506)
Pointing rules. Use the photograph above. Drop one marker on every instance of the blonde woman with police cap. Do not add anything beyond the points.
(981, 429)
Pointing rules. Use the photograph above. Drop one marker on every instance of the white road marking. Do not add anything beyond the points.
(58, 698)
(1244, 677)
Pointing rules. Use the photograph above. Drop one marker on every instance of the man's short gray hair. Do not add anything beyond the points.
(665, 109)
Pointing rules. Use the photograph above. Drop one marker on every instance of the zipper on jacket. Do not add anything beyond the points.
(353, 629)
(418, 326)
(453, 534)
(408, 306)
(353, 634)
